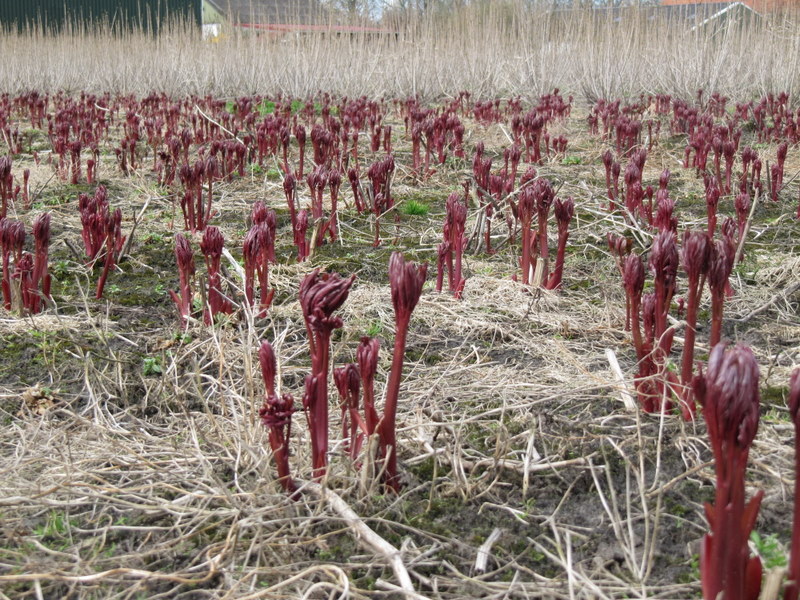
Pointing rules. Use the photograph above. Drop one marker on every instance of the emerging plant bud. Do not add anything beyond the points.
(695, 255)
(276, 414)
(211, 246)
(269, 366)
(664, 258)
(113, 241)
(729, 395)
(633, 275)
(564, 211)
(719, 270)
(793, 588)
(406, 281)
(41, 278)
(320, 295)
(348, 383)
(184, 258)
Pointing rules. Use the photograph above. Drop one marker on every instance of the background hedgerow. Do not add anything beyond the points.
(491, 49)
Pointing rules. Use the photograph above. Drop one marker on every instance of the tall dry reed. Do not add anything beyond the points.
(489, 49)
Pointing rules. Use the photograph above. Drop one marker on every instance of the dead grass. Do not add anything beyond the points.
(119, 483)
(492, 49)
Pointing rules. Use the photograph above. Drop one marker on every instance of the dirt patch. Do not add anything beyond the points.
(149, 473)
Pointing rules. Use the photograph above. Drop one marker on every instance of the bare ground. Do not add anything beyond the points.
(134, 465)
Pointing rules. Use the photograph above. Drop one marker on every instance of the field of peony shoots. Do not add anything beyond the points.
(356, 347)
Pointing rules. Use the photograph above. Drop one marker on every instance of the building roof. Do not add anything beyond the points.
(760, 6)
(692, 14)
(702, 11)
(303, 28)
(265, 12)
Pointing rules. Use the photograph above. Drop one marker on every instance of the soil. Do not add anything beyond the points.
(134, 464)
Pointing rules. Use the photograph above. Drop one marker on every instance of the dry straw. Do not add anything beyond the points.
(497, 48)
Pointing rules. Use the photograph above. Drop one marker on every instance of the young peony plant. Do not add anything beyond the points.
(258, 251)
(525, 210)
(406, 281)
(41, 277)
(211, 246)
(564, 211)
(113, 241)
(367, 357)
(184, 258)
(93, 211)
(720, 265)
(633, 277)
(453, 246)
(793, 588)
(12, 239)
(320, 295)
(348, 383)
(276, 414)
(728, 393)
(544, 196)
(695, 254)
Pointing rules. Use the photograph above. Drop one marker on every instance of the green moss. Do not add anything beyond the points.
(774, 396)
(422, 355)
(414, 208)
(424, 470)
(675, 508)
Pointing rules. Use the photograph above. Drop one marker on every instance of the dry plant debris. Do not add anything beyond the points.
(134, 464)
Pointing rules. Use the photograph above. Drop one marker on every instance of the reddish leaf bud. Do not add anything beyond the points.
(348, 382)
(269, 366)
(259, 213)
(406, 281)
(276, 413)
(564, 210)
(794, 395)
(212, 242)
(608, 159)
(633, 275)
(183, 255)
(720, 264)
(729, 394)
(41, 229)
(664, 257)
(695, 253)
(663, 180)
(320, 295)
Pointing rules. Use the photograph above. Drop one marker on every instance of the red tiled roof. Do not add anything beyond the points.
(299, 27)
(270, 11)
(756, 5)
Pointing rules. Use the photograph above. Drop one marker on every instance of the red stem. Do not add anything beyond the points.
(526, 252)
(688, 407)
(6, 284)
(319, 407)
(554, 281)
(280, 451)
(106, 267)
(459, 281)
(636, 331)
(543, 250)
(717, 302)
(387, 425)
(207, 217)
(793, 587)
